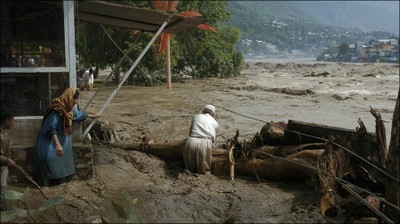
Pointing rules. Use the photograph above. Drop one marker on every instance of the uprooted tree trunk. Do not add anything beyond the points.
(251, 158)
(300, 161)
(272, 133)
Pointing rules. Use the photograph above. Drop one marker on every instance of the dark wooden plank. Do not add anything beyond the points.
(296, 132)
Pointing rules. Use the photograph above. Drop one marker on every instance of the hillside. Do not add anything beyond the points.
(368, 16)
(270, 9)
(257, 18)
(279, 28)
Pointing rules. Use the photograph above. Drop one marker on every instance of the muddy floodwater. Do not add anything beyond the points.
(334, 94)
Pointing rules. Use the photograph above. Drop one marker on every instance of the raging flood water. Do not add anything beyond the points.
(334, 94)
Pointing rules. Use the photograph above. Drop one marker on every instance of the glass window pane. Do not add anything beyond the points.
(32, 34)
(31, 94)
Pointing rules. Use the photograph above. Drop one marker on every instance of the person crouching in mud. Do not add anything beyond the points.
(197, 154)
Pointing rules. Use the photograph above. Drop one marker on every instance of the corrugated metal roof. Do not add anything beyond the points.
(134, 18)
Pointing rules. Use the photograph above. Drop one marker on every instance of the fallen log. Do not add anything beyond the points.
(297, 165)
(171, 151)
(293, 167)
(283, 151)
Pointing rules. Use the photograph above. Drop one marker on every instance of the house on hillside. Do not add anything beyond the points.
(386, 50)
(382, 50)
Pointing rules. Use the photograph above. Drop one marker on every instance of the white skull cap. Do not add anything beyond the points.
(210, 107)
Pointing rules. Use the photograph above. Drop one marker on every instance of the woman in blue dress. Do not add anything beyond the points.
(54, 154)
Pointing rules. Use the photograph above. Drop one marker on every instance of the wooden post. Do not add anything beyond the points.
(168, 63)
(392, 166)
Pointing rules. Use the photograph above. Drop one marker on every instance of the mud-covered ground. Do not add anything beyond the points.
(335, 94)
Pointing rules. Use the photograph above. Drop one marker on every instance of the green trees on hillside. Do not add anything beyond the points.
(196, 52)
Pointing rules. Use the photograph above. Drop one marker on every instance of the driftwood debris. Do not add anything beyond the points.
(253, 157)
(352, 173)
(299, 164)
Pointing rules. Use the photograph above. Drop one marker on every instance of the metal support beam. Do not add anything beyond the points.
(126, 76)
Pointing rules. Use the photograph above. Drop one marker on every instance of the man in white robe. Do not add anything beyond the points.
(197, 154)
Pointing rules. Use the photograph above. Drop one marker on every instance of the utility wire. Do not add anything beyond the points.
(342, 181)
